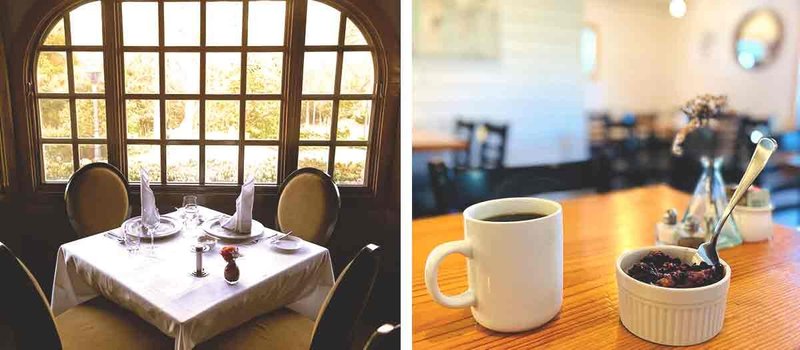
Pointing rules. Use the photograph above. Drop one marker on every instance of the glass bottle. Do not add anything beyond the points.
(709, 201)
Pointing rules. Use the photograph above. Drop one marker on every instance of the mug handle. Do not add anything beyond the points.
(432, 273)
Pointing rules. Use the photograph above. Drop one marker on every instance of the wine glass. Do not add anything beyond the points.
(150, 227)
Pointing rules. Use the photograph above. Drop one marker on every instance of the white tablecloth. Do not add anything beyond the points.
(161, 290)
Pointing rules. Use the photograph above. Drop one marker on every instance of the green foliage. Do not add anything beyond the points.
(351, 173)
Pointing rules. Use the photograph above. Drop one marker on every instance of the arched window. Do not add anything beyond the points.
(208, 92)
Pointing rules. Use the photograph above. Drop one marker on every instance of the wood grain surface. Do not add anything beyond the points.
(763, 310)
(429, 141)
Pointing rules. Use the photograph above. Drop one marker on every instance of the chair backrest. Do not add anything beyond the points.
(346, 300)
(386, 337)
(493, 147)
(466, 131)
(96, 199)
(23, 308)
(308, 205)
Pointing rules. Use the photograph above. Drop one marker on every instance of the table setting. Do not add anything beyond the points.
(538, 270)
(195, 272)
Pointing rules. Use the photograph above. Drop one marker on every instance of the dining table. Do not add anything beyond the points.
(160, 288)
(763, 300)
(432, 141)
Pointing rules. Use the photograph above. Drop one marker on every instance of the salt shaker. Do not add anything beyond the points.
(691, 234)
(198, 251)
(667, 229)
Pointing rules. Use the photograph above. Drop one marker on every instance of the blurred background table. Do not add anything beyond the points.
(424, 140)
(761, 311)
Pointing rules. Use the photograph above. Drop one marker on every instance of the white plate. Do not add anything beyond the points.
(288, 244)
(167, 226)
(214, 228)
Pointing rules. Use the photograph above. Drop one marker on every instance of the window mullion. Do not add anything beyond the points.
(113, 93)
(336, 92)
(243, 91)
(292, 85)
(70, 92)
(162, 120)
(202, 99)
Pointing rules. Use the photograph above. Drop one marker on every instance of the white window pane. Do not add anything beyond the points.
(224, 23)
(223, 72)
(221, 164)
(313, 157)
(264, 72)
(357, 73)
(182, 72)
(92, 154)
(319, 69)
(262, 120)
(222, 120)
(261, 162)
(143, 119)
(353, 121)
(86, 24)
(91, 114)
(54, 118)
(181, 23)
(57, 162)
(51, 72)
(183, 120)
(57, 35)
(183, 164)
(141, 72)
(147, 157)
(322, 24)
(140, 24)
(353, 35)
(349, 166)
(315, 120)
(265, 23)
(87, 68)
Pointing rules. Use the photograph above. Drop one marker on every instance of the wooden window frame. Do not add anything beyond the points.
(291, 96)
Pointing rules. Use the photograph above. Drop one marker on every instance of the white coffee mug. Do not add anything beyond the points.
(515, 269)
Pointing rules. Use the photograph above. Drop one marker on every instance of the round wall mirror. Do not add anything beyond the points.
(758, 38)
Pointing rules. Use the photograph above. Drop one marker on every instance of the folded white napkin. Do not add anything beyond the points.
(243, 218)
(149, 209)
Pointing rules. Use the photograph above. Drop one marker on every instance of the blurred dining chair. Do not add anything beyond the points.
(492, 139)
(465, 130)
(386, 337)
(308, 205)
(95, 324)
(96, 199)
(287, 330)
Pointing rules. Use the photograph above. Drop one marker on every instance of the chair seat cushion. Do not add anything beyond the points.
(281, 329)
(100, 324)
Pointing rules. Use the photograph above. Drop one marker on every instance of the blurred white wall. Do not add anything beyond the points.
(710, 64)
(639, 54)
(535, 85)
(650, 61)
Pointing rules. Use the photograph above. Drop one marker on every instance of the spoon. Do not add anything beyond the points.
(766, 146)
(282, 236)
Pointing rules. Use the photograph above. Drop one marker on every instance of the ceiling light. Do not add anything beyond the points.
(677, 8)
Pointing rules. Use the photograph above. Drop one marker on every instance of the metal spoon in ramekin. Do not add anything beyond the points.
(766, 146)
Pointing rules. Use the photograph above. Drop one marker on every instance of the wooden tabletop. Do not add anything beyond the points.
(763, 308)
(426, 140)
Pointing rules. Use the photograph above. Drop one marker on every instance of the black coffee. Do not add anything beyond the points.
(514, 217)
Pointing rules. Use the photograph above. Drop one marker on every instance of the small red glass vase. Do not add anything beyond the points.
(232, 272)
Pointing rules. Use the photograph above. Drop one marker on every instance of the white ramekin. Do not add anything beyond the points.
(755, 223)
(670, 316)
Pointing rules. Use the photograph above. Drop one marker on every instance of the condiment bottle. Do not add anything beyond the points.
(667, 229)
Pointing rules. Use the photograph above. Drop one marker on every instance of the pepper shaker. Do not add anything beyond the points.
(691, 234)
(667, 229)
(199, 271)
